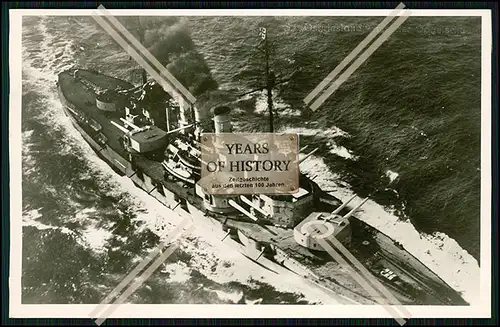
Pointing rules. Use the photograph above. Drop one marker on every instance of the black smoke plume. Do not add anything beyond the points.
(168, 39)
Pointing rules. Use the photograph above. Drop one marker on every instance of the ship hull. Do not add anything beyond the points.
(283, 260)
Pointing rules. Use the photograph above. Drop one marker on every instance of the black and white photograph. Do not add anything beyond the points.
(110, 218)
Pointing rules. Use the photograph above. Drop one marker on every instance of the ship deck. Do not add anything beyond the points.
(421, 285)
(431, 287)
(77, 94)
(334, 276)
(426, 286)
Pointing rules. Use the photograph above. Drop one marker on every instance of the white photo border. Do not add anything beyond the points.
(19, 310)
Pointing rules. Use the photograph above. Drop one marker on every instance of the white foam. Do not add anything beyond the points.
(97, 238)
(178, 272)
(234, 297)
(253, 302)
(32, 215)
(341, 151)
(89, 237)
(282, 108)
(29, 219)
(392, 175)
(328, 135)
(83, 214)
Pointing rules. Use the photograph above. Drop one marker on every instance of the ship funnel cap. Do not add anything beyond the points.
(221, 110)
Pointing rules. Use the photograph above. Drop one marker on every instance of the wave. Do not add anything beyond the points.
(327, 135)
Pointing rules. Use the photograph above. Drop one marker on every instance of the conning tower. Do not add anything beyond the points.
(141, 139)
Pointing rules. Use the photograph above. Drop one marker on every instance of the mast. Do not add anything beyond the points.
(270, 79)
(142, 33)
(144, 76)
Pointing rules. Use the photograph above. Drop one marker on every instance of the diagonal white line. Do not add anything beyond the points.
(353, 54)
(164, 72)
(360, 60)
(172, 236)
(368, 275)
(134, 54)
(362, 281)
(314, 230)
(138, 282)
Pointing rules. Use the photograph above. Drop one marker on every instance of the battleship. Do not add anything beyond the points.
(152, 137)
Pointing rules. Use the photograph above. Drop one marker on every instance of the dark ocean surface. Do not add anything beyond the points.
(410, 114)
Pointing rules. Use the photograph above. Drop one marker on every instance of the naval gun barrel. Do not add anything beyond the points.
(126, 122)
(308, 155)
(180, 128)
(355, 209)
(121, 128)
(336, 211)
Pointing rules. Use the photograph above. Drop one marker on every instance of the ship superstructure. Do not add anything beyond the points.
(132, 129)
